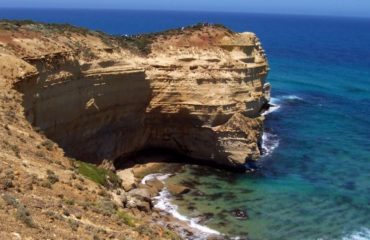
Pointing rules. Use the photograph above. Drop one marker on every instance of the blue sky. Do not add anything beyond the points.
(359, 8)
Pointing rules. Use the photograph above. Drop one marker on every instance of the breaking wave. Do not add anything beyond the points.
(277, 102)
(163, 202)
(274, 106)
(269, 143)
(291, 98)
(363, 234)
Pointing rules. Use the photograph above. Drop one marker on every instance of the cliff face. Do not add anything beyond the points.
(199, 91)
(208, 91)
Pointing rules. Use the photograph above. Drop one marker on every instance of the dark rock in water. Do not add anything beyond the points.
(229, 196)
(350, 185)
(176, 189)
(222, 215)
(221, 224)
(197, 193)
(223, 237)
(251, 166)
(191, 208)
(179, 197)
(215, 196)
(190, 183)
(215, 237)
(246, 190)
(213, 185)
(204, 218)
(239, 214)
(209, 215)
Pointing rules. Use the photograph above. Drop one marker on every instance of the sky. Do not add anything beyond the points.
(357, 8)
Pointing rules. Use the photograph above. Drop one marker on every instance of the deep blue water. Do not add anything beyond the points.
(316, 183)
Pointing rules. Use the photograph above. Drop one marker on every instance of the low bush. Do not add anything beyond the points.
(48, 144)
(106, 207)
(101, 176)
(52, 177)
(24, 216)
(10, 199)
(171, 235)
(73, 224)
(145, 230)
(16, 150)
(126, 218)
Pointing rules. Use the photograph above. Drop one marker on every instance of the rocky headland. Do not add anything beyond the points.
(69, 93)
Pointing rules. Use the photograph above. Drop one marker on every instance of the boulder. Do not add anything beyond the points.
(176, 189)
(140, 204)
(143, 206)
(120, 199)
(155, 184)
(141, 194)
(131, 202)
(128, 179)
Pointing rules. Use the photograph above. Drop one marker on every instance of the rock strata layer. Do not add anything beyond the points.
(199, 91)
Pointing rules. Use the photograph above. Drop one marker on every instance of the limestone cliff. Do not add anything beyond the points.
(199, 90)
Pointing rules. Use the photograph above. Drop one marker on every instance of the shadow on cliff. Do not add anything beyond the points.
(166, 155)
(92, 118)
(174, 137)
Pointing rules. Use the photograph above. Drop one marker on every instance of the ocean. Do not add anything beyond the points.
(314, 178)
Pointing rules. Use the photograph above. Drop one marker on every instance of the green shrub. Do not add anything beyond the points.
(101, 176)
(126, 218)
(171, 235)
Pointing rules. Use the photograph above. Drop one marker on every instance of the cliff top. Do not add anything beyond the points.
(24, 38)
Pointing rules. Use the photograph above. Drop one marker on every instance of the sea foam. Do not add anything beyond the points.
(291, 97)
(163, 202)
(363, 234)
(269, 143)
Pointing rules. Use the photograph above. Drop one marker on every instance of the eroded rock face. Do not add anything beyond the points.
(200, 92)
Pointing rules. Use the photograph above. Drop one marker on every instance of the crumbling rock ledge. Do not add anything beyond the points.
(199, 91)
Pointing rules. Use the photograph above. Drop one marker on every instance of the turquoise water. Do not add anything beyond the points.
(316, 183)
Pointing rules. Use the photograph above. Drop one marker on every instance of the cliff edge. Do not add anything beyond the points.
(198, 90)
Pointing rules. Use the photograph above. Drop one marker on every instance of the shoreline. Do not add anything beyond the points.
(162, 211)
(166, 213)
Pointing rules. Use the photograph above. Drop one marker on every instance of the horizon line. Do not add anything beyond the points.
(189, 11)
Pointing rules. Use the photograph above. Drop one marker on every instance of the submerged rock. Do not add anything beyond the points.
(176, 189)
(240, 214)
